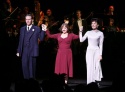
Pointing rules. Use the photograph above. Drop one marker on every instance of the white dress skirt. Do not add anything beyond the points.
(94, 71)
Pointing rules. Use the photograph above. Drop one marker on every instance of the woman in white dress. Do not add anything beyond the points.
(94, 51)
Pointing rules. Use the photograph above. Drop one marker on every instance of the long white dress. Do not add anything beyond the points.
(94, 50)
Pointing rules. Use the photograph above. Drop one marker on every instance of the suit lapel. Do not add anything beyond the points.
(82, 22)
(31, 31)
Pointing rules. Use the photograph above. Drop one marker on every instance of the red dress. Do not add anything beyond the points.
(64, 61)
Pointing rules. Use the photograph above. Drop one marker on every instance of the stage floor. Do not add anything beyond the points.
(72, 83)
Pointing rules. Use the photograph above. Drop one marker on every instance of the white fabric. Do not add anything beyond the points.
(94, 50)
(29, 27)
(79, 22)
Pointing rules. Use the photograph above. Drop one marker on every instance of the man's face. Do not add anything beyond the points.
(28, 20)
(49, 12)
(8, 1)
(111, 8)
(78, 14)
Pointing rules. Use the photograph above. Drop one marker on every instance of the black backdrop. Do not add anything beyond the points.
(64, 7)
(11, 65)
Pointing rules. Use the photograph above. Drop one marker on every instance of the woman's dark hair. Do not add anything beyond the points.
(66, 25)
(95, 20)
(98, 21)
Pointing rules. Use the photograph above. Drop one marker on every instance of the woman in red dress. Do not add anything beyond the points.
(64, 60)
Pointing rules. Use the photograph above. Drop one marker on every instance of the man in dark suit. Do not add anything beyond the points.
(79, 49)
(28, 48)
(78, 22)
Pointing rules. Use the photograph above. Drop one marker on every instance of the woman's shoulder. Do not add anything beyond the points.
(88, 31)
(100, 32)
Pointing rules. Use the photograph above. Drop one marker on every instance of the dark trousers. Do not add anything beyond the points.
(28, 65)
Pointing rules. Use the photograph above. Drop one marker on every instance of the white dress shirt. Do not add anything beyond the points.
(29, 27)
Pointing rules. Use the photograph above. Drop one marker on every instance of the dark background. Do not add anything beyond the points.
(11, 65)
(61, 8)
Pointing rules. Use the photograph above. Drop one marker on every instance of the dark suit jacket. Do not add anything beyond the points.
(34, 33)
(76, 27)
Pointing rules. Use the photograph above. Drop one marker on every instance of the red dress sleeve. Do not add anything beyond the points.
(51, 35)
(74, 36)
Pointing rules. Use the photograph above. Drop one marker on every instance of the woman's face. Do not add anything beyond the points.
(64, 29)
(94, 25)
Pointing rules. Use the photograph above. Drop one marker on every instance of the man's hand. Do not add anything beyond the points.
(44, 27)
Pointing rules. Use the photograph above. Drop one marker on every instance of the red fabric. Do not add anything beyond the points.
(64, 61)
